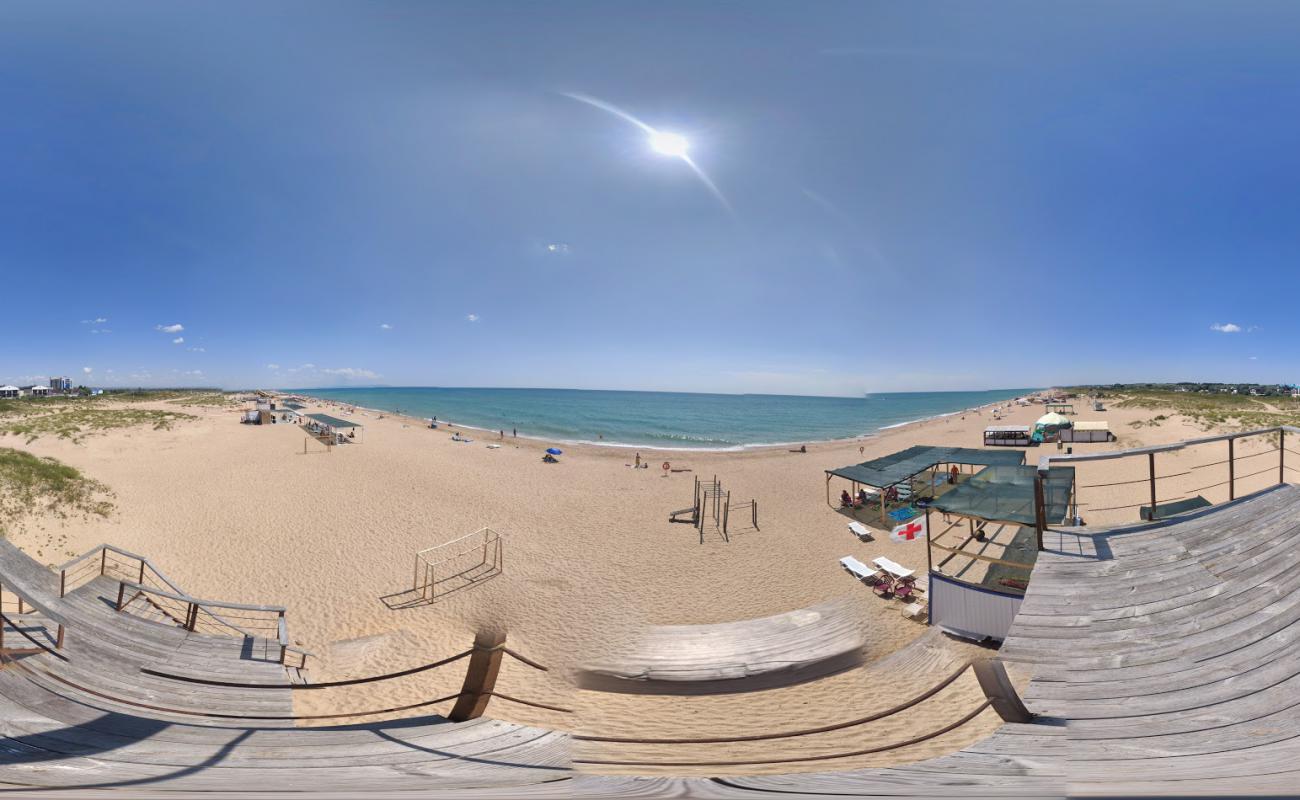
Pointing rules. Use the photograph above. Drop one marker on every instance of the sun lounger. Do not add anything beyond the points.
(893, 568)
(856, 568)
(859, 530)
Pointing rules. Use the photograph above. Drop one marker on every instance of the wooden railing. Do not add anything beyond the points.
(149, 585)
(1152, 497)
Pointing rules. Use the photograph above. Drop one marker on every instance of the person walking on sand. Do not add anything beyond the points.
(638, 461)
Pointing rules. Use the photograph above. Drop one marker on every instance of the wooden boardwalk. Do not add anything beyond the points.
(746, 655)
(1165, 660)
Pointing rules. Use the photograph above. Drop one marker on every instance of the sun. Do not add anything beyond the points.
(669, 144)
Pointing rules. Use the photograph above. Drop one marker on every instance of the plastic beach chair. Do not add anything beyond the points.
(859, 530)
(893, 568)
(885, 587)
(856, 568)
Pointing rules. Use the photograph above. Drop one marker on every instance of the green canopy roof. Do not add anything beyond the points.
(294, 406)
(898, 467)
(333, 422)
(1006, 494)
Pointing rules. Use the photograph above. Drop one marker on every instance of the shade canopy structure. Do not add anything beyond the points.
(1052, 420)
(1005, 493)
(897, 467)
(333, 422)
(294, 406)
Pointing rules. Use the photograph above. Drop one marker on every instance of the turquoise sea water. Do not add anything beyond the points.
(666, 419)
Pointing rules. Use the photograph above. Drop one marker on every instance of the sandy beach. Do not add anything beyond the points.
(241, 513)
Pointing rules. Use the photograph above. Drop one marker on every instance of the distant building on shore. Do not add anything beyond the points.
(34, 391)
(61, 385)
(10, 392)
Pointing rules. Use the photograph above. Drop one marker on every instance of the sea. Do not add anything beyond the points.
(666, 420)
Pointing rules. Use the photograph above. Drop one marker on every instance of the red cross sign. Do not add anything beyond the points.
(908, 531)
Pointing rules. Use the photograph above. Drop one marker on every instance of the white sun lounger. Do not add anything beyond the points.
(893, 568)
(859, 530)
(856, 568)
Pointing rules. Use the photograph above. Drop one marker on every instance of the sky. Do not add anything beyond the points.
(879, 196)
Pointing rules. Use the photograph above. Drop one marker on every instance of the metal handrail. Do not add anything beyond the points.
(1046, 461)
(174, 592)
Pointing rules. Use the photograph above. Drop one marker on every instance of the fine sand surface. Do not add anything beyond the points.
(240, 513)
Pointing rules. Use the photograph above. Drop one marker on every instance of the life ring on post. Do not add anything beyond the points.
(667, 466)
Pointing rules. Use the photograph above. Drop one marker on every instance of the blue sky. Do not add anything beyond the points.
(918, 195)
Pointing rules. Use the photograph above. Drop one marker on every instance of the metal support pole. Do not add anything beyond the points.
(1040, 513)
(1232, 476)
(1281, 457)
(929, 563)
(480, 677)
(1151, 463)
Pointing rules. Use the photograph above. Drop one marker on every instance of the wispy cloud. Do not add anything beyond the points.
(558, 248)
(179, 340)
(350, 372)
(272, 366)
(195, 372)
(95, 321)
(87, 370)
(384, 326)
(100, 330)
(197, 349)
(173, 328)
(1226, 327)
(472, 317)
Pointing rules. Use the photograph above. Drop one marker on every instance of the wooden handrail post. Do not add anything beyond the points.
(192, 618)
(1001, 693)
(58, 642)
(103, 560)
(1151, 461)
(1040, 512)
(121, 592)
(480, 677)
(1232, 474)
(63, 582)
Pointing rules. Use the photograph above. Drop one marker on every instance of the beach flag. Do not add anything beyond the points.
(909, 531)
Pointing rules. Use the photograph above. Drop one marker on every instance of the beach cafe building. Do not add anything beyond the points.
(326, 426)
(898, 470)
(10, 392)
(979, 572)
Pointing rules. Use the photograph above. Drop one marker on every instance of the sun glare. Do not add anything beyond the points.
(669, 144)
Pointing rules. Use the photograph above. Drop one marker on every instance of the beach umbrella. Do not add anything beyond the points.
(1052, 420)
(555, 451)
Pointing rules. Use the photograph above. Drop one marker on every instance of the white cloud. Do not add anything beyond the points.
(559, 248)
(101, 330)
(95, 321)
(384, 326)
(197, 349)
(1226, 327)
(351, 372)
(87, 370)
(175, 328)
(272, 366)
(472, 317)
(179, 340)
(194, 372)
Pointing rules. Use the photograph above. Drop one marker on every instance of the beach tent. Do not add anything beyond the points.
(1087, 432)
(1048, 426)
